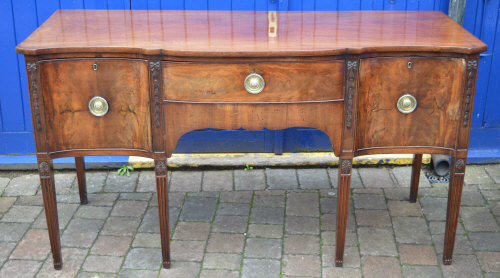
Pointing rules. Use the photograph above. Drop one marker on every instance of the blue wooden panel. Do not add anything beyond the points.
(326, 5)
(394, 5)
(95, 4)
(25, 21)
(45, 8)
(71, 4)
(353, 5)
(492, 31)
(235, 5)
(11, 100)
(172, 4)
(372, 5)
(16, 143)
(196, 4)
(208, 140)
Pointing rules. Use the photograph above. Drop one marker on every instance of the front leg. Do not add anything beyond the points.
(162, 194)
(457, 171)
(344, 192)
(49, 202)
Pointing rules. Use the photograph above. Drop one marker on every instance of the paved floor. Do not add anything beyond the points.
(258, 223)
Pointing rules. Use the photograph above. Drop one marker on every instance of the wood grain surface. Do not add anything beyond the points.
(181, 118)
(224, 82)
(245, 33)
(437, 85)
(68, 86)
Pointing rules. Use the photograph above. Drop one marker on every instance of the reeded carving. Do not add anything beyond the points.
(43, 169)
(352, 72)
(154, 67)
(460, 166)
(160, 168)
(32, 68)
(345, 167)
(471, 72)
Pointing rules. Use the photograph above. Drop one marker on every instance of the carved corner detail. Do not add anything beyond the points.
(160, 168)
(460, 166)
(471, 74)
(32, 68)
(352, 72)
(345, 167)
(43, 169)
(155, 68)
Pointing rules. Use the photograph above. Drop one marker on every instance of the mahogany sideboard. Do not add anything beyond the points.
(114, 82)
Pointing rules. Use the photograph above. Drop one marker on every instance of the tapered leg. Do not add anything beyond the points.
(457, 171)
(80, 175)
(50, 205)
(162, 192)
(344, 191)
(415, 177)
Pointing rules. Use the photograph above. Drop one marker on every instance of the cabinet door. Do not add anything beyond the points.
(69, 85)
(435, 82)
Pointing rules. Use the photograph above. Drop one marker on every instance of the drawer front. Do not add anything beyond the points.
(435, 83)
(223, 82)
(69, 85)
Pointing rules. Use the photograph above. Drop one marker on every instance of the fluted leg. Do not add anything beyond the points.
(415, 177)
(162, 192)
(344, 191)
(50, 205)
(457, 171)
(80, 174)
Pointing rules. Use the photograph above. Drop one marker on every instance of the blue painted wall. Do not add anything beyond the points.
(18, 18)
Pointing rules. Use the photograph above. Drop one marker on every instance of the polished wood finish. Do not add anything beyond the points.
(165, 73)
(67, 89)
(80, 176)
(162, 193)
(245, 33)
(436, 83)
(457, 171)
(181, 118)
(284, 82)
(344, 192)
(415, 177)
(47, 185)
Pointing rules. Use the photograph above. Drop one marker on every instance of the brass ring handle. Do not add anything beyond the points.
(407, 104)
(254, 83)
(98, 106)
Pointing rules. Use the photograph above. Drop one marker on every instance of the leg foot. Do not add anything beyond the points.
(50, 205)
(457, 171)
(58, 266)
(342, 207)
(162, 192)
(166, 265)
(80, 174)
(415, 177)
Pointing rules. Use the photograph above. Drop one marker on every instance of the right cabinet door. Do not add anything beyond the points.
(434, 82)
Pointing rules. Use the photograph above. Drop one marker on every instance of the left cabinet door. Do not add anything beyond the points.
(69, 85)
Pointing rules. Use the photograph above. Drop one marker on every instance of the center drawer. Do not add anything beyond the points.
(224, 82)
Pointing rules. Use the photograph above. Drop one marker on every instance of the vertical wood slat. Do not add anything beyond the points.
(11, 100)
(45, 8)
(25, 21)
(71, 4)
(473, 20)
(491, 30)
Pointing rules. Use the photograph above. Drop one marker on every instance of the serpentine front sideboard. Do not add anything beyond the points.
(111, 82)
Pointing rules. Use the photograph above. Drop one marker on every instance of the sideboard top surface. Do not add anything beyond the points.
(245, 33)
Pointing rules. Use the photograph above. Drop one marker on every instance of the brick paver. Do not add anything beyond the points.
(256, 223)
